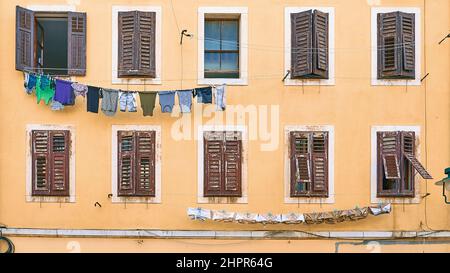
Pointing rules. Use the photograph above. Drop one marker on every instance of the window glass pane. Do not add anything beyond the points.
(212, 35)
(230, 35)
(229, 61)
(212, 61)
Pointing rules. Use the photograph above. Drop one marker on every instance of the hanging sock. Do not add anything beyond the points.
(221, 98)
(110, 98)
(185, 100)
(45, 90)
(64, 93)
(166, 100)
(204, 95)
(80, 89)
(93, 97)
(127, 100)
(147, 102)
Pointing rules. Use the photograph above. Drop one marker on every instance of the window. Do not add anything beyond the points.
(308, 164)
(309, 45)
(50, 162)
(396, 45)
(222, 48)
(136, 44)
(51, 42)
(396, 162)
(136, 159)
(222, 163)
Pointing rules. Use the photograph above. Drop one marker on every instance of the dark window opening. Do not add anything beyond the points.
(221, 48)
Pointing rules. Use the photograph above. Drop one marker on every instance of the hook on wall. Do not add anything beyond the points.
(184, 33)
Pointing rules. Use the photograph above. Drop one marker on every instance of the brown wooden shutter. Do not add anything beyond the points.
(59, 163)
(126, 163)
(388, 53)
(300, 163)
(232, 164)
(145, 163)
(127, 40)
(390, 144)
(321, 26)
(320, 164)
(213, 163)
(408, 150)
(25, 36)
(146, 44)
(41, 163)
(407, 36)
(76, 44)
(301, 44)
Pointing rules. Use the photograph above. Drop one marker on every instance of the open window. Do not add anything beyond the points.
(51, 42)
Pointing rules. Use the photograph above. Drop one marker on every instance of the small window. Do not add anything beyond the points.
(309, 164)
(136, 163)
(309, 45)
(51, 42)
(396, 45)
(50, 163)
(222, 164)
(221, 48)
(396, 164)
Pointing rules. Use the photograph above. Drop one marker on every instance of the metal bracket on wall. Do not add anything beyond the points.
(448, 36)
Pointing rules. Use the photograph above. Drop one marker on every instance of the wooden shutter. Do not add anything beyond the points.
(301, 44)
(41, 163)
(59, 163)
(407, 36)
(232, 164)
(388, 49)
(320, 164)
(137, 44)
(25, 36)
(390, 144)
(126, 163)
(321, 26)
(300, 163)
(76, 43)
(213, 163)
(145, 163)
(408, 147)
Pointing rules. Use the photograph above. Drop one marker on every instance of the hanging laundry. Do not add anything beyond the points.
(30, 83)
(204, 95)
(127, 100)
(44, 89)
(110, 98)
(246, 218)
(64, 93)
(185, 100)
(292, 218)
(199, 214)
(221, 97)
(166, 100)
(147, 102)
(57, 106)
(93, 97)
(80, 89)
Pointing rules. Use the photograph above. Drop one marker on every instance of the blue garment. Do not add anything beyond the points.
(57, 106)
(166, 100)
(204, 95)
(220, 98)
(30, 82)
(185, 99)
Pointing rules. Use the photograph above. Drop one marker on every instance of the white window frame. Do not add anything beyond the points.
(29, 165)
(114, 166)
(115, 45)
(331, 47)
(374, 162)
(287, 165)
(243, 45)
(201, 199)
(374, 47)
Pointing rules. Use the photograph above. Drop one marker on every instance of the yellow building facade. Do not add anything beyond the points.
(352, 104)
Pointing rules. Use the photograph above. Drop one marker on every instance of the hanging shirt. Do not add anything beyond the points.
(80, 89)
(204, 95)
(109, 101)
(147, 102)
(64, 93)
(220, 97)
(93, 97)
(185, 100)
(166, 100)
(127, 100)
(44, 89)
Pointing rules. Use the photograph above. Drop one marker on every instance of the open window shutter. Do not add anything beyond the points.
(146, 44)
(389, 145)
(232, 164)
(388, 41)
(213, 163)
(301, 44)
(59, 163)
(145, 163)
(25, 32)
(76, 45)
(126, 158)
(300, 163)
(127, 40)
(320, 163)
(408, 139)
(321, 26)
(40, 163)
(408, 44)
